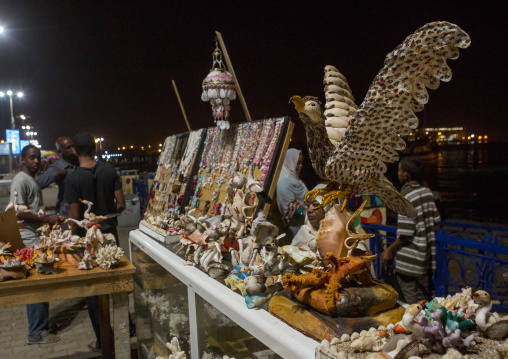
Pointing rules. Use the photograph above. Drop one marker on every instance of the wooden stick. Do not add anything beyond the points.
(230, 68)
(181, 105)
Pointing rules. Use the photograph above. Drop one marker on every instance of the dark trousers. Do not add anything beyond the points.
(38, 318)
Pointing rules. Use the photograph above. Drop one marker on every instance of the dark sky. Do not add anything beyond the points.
(106, 66)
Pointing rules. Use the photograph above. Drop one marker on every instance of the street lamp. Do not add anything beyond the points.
(9, 93)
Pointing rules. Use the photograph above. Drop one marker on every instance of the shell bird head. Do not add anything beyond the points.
(414, 309)
(481, 296)
(309, 108)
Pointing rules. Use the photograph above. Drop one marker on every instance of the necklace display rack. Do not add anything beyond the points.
(261, 144)
(195, 168)
(174, 173)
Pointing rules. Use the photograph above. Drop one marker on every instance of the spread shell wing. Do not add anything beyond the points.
(399, 89)
(340, 104)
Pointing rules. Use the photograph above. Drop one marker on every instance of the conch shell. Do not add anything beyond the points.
(332, 232)
(337, 232)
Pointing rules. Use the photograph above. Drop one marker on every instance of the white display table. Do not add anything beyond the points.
(203, 291)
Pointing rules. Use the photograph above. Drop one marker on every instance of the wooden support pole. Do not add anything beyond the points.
(181, 105)
(232, 71)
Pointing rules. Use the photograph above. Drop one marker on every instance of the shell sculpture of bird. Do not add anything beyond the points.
(356, 163)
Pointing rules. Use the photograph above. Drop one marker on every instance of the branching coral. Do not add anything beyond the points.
(108, 256)
(443, 330)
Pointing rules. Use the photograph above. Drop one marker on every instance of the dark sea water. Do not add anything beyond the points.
(471, 181)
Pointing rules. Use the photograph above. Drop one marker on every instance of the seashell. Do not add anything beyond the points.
(381, 327)
(298, 256)
(333, 351)
(341, 355)
(372, 329)
(399, 329)
(390, 326)
(502, 349)
(369, 341)
(391, 344)
(335, 134)
(355, 336)
(332, 233)
(378, 356)
(335, 112)
(498, 330)
(325, 345)
(218, 271)
(335, 341)
(336, 104)
(345, 338)
(410, 349)
(452, 354)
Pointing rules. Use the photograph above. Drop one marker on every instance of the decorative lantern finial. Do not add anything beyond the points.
(219, 89)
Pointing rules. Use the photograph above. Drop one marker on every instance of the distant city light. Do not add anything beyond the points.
(472, 135)
(437, 129)
(132, 146)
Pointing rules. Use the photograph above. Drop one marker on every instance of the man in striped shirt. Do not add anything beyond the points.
(415, 243)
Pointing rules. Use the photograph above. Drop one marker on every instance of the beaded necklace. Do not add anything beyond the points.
(190, 152)
(268, 154)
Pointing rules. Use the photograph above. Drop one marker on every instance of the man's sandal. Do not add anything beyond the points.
(48, 339)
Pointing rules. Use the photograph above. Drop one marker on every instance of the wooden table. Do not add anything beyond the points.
(71, 282)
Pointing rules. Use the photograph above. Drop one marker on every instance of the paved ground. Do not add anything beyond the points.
(73, 326)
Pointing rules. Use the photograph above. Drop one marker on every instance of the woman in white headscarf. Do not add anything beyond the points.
(290, 188)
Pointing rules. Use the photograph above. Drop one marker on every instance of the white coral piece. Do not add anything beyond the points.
(108, 256)
(174, 346)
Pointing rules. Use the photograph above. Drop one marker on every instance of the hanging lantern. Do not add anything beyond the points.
(219, 89)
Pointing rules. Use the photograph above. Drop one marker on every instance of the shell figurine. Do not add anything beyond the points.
(108, 256)
(490, 323)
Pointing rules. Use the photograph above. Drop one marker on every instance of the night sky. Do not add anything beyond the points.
(106, 66)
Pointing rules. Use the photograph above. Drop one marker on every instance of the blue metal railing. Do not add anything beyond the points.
(140, 187)
(466, 255)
